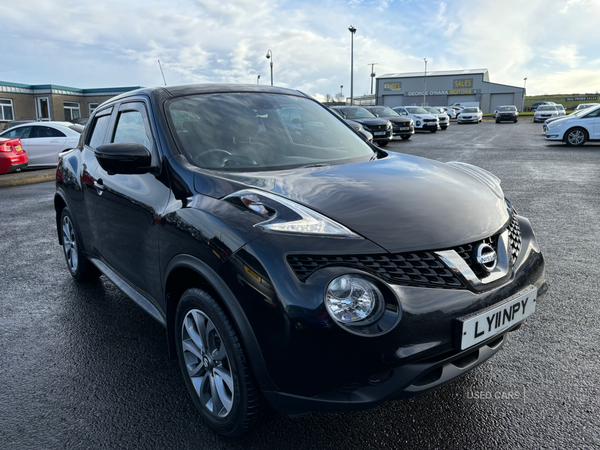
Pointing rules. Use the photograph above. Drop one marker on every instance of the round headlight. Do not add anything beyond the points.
(353, 300)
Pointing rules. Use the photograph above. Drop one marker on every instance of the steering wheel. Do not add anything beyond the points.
(237, 160)
(214, 151)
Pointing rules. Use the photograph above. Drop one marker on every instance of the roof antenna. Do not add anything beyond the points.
(161, 71)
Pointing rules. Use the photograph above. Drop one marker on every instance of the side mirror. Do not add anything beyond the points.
(125, 158)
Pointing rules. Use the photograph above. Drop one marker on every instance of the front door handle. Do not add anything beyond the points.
(99, 185)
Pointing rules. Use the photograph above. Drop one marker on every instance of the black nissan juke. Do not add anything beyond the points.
(292, 274)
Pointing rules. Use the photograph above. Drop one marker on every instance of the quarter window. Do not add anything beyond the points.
(6, 109)
(71, 111)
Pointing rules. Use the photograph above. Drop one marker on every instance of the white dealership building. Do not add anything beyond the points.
(445, 87)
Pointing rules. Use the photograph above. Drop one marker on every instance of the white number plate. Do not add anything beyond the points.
(379, 133)
(404, 128)
(484, 324)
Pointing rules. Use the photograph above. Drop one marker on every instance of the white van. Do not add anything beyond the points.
(466, 104)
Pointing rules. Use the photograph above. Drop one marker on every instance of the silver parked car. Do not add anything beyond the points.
(43, 141)
(444, 118)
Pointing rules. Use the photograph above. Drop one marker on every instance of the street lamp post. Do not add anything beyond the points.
(352, 31)
(372, 74)
(270, 56)
(524, 84)
(257, 79)
(425, 81)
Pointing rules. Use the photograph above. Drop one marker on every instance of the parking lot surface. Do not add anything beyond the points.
(81, 366)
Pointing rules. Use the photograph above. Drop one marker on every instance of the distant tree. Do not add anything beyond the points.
(329, 98)
(340, 97)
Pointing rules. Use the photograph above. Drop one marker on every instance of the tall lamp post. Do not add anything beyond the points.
(270, 56)
(341, 91)
(524, 84)
(352, 31)
(257, 79)
(425, 81)
(372, 74)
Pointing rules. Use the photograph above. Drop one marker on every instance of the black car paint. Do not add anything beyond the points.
(398, 121)
(368, 123)
(163, 231)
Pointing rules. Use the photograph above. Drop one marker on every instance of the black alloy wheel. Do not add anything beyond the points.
(214, 366)
(79, 266)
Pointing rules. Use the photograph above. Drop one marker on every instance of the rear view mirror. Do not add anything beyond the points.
(125, 158)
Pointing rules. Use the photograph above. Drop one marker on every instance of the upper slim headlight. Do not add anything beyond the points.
(288, 217)
(488, 178)
(555, 124)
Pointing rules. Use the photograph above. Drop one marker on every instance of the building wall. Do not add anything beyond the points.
(445, 90)
(23, 106)
(24, 98)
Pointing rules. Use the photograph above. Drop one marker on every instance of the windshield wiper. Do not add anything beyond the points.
(316, 165)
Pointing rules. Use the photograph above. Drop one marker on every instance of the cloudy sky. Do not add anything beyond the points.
(117, 43)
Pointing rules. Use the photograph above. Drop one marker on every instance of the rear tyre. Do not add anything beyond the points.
(79, 266)
(214, 366)
(576, 137)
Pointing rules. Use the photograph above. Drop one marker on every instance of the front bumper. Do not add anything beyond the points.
(506, 118)
(318, 366)
(467, 120)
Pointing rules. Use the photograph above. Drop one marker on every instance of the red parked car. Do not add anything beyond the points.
(12, 156)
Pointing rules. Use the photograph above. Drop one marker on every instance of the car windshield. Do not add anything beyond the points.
(547, 108)
(507, 108)
(433, 110)
(357, 113)
(469, 110)
(417, 110)
(384, 112)
(260, 131)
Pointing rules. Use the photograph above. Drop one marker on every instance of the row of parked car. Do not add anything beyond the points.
(36, 144)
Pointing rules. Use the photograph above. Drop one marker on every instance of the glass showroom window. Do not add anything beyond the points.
(92, 107)
(71, 111)
(6, 109)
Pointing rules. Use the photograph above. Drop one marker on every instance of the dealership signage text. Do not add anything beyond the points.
(442, 92)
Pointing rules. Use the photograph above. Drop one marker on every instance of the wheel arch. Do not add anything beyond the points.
(60, 203)
(187, 271)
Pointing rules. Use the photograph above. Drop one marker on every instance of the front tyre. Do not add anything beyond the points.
(79, 266)
(382, 143)
(433, 130)
(214, 366)
(406, 137)
(576, 137)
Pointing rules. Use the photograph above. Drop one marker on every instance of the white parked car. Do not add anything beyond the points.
(561, 110)
(442, 116)
(470, 115)
(43, 141)
(421, 117)
(585, 105)
(545, 112)
(552, 119)
(576, 129)
(446, 109)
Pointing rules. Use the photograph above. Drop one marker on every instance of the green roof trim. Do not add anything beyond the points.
(68, 88)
